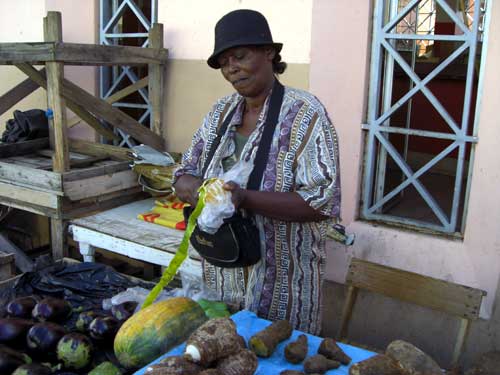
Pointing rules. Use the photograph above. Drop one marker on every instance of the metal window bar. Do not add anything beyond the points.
(379, 126)
(111, 18)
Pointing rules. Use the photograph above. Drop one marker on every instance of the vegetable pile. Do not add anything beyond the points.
(46, 335)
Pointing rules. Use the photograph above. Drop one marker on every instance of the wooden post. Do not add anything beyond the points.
(55, 102)
(352, 293)
(463, 330)
(156, 80)
(60, 161)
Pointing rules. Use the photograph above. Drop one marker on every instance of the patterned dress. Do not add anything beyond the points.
(286, 282)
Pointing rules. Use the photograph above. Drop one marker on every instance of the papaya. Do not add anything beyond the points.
(156, 329)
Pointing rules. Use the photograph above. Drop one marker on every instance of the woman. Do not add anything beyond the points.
(300, 188)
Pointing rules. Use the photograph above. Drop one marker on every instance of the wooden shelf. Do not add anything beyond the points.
(79, 54)
(63, 178)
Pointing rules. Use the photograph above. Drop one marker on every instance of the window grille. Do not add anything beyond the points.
(125, 22)
(420, 124)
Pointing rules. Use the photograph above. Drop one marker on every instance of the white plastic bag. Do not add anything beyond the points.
(218, 204)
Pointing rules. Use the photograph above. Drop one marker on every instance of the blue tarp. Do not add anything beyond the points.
(248, 324)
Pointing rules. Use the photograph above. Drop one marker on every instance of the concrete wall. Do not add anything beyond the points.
(22, 21)
(339, 64)
(191, 86)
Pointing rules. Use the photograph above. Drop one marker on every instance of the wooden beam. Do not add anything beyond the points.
(112, 167)
(29, 195)
(33, 53)
(95, 54)
(17, 93)
(99, 185)
(38, 179)
(113, 116)
(156, 81)
(58, 238)
(22, 148)
(99, 149)
(81, 112)
(55, 76)
(117, 96)
(79, 54)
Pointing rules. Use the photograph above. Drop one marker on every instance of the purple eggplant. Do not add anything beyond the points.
(14, 329)
(43, 337)
(104, 328)
(85, 318)
(124, 310)
(11, 359)
(22, 307)
(52, 309)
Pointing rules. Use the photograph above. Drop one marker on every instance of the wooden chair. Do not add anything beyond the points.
(458, 300)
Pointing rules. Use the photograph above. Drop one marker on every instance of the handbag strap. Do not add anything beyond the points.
(265, 143)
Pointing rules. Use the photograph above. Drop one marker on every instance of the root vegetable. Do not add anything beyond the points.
(213, 340)
(331, 350)
(264, 343)
(175, 365)
(291, 372)
(243, 363)
(377, 365)
(210, 371)
(296, 351)
(320, 364)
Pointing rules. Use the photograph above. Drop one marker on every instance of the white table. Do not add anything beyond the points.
(120, 231)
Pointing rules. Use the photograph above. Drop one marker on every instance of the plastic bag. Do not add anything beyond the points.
(218, 204)
(135, 294)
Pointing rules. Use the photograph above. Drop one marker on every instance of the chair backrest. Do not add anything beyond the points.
(448, 297)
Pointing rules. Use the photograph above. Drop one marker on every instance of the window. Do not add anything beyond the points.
(420, 132)
(127, 22)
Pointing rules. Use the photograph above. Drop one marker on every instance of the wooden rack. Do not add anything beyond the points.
(63, 178)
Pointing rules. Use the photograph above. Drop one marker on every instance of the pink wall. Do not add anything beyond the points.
(340, 51)
(79, 23)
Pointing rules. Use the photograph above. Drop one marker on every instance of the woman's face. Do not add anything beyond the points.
(249, 69)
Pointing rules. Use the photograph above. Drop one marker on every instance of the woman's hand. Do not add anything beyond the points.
(238, 194)
(186, 189)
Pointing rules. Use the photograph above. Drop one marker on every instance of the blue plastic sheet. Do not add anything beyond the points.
(248, 324)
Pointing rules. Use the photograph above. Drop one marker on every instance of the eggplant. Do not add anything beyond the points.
(14, 329)
(75, 350)
(104, 328)
(22, 307)
(84, 319)
(124, 310)
(43, 337)
(33, 369)
(11, 359)
(53, 309)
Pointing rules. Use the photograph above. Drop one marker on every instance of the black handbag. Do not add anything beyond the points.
(236, 243)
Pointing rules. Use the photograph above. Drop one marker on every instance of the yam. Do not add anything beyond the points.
(296, 351)
(174, 365)
(264, 343)
(377, 365)
(213, 340)
(320, 364)
(243, 363)
(331, 350)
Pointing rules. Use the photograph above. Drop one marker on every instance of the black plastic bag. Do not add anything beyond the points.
(26, 125)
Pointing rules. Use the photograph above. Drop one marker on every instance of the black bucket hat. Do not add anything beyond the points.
(243, 27)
